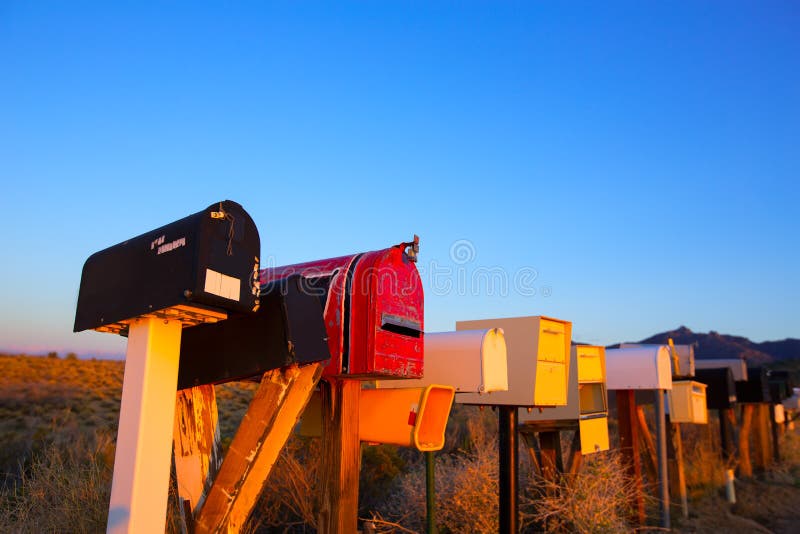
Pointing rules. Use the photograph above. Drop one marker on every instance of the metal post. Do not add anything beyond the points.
(661, 452)
(508, 469)
(430, 492)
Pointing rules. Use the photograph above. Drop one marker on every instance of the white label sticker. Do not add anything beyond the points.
(222, 285)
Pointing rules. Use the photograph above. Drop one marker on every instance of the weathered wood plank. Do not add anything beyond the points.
(762, 432)
(575, 457)
(273, 412)
(649, 445)
(341, 456)
(196, 443)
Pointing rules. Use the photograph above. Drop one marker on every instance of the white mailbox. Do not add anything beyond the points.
(538, 350)
(686, 402)
(472, 361)
(639, 368)
(686, 363)
(738, 366)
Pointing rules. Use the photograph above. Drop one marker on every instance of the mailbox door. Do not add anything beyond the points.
(699, 409)
(591, 363)
(386, 316)
(594, 434)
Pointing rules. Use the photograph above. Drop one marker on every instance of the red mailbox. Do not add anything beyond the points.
(373, 310)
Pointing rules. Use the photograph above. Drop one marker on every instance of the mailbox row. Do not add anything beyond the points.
(363, 315)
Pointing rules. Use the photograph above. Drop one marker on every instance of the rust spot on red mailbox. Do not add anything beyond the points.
(373, 310)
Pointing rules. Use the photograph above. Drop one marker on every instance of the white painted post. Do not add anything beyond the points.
(144, 440)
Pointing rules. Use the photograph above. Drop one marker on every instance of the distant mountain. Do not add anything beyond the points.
(716, 345)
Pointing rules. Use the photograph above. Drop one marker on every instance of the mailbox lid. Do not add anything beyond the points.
(721, 388)
(639, 368)
(591, 363)
(531, 382)
(200, 259)
(472, 361)
(594, 434)
(287, 328)
(738, 366)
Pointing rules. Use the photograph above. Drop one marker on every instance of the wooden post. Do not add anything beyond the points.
(142, 460)
(763, 449)
(197, 448)
(575, 457)
(745, 467)
(661, 448)
(509, 469)
(534, 452)
(552, 458)
(727, 423)
(649, 446)
(629, 446)
(677, 477)
(341, 456)
(776, 434)
(276, 406)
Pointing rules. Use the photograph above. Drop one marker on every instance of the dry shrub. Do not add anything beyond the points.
(596, 499)
(62, 489)
(703, 466)
(466, 488)
(291, 497)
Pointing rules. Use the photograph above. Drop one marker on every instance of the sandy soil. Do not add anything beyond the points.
(767, 503)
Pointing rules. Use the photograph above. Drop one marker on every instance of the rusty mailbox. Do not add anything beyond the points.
(208, 259)
(372, 306)
(538, 357)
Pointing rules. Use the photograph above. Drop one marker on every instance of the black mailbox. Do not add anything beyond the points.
(755, 388)
(721, 390)
(209, 259)
(287, 328)
(780, 386)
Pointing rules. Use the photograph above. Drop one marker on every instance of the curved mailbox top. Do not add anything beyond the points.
(373, 310)
(472, 361)
(209, 258)
(639, 368)
(738, 366)
(685, 353)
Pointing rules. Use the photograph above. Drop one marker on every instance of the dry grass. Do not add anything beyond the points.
(595, 499)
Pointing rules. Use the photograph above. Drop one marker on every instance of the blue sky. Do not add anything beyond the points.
(635, 166)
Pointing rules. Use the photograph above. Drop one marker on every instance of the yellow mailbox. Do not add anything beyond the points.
(593, 422)
(587, 403)
(538, 351)
(687, 402)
